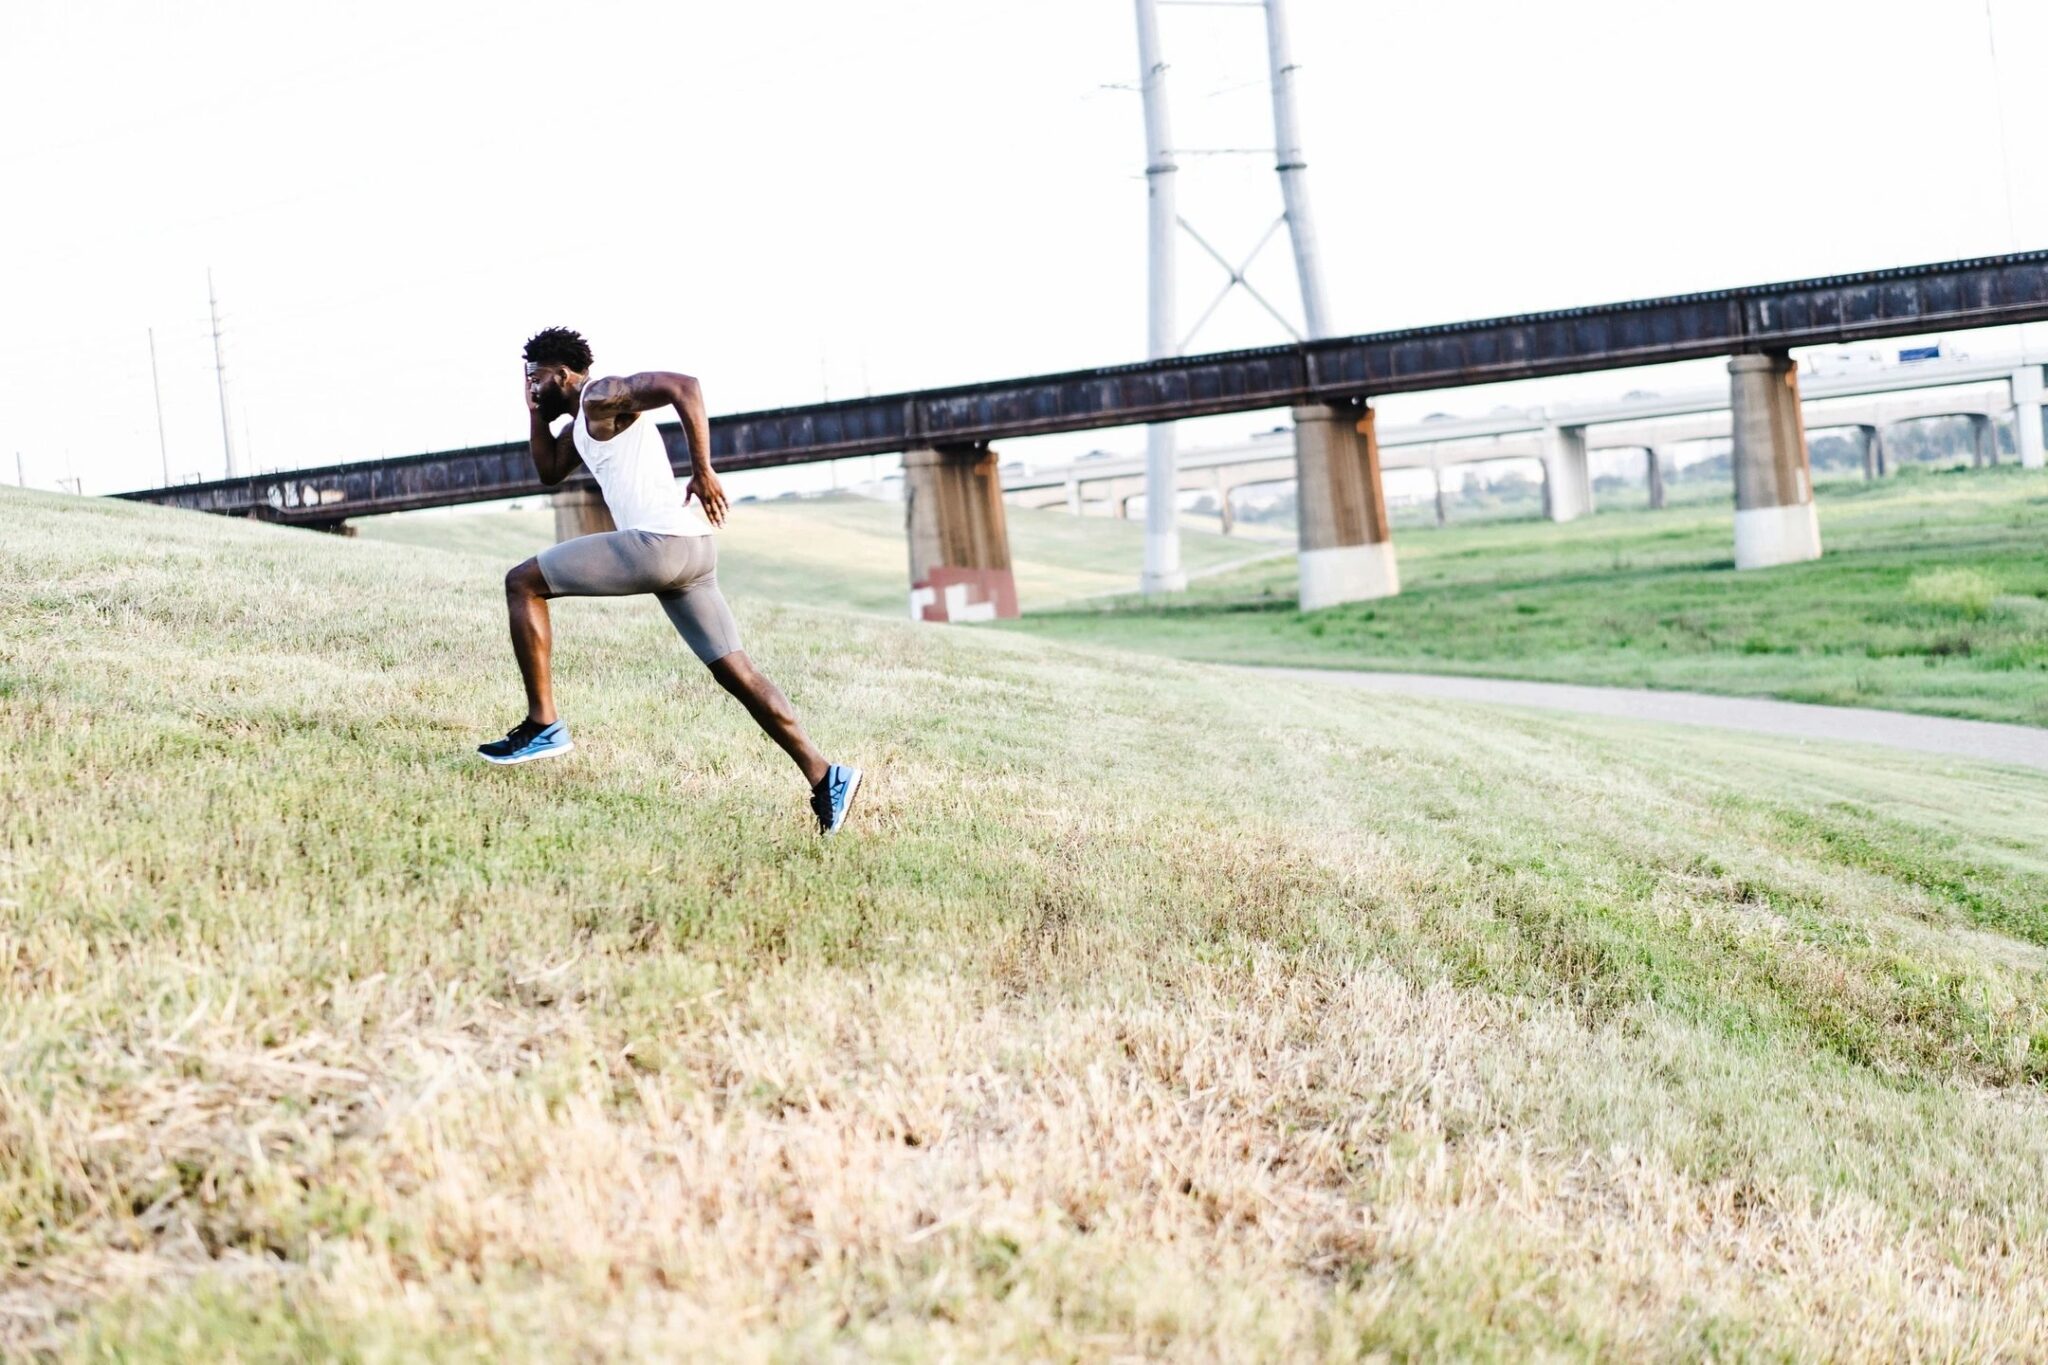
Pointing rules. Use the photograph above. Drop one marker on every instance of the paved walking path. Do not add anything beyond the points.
(1991, 741)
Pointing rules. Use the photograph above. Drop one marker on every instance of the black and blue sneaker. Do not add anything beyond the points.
(528, 741)
(833, 797)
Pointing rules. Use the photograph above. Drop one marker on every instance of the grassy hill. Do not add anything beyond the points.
(1138, 1012)
(847, 553)
(1932, 596)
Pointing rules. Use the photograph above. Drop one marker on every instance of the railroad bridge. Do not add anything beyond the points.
(958, 543)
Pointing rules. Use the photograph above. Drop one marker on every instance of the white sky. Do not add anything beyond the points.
(793, 198)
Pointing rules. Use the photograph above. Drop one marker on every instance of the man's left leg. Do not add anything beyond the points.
(541, 734)
(533, 637)
(609, 564)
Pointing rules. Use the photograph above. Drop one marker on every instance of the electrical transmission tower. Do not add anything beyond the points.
(1163, 573)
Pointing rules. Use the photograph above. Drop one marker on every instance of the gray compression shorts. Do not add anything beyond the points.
(680, 570)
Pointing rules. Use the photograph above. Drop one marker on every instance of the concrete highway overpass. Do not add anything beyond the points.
(1983, 392)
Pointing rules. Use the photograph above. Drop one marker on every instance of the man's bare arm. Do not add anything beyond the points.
(554, 457)
(607, 399)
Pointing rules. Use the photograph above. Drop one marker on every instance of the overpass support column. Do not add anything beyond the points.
(1983, 440)
(959, 537)
(1347, 553)
(1873, 452)
(581, 512)
(1223, 516)
(1653, 466)
(1074, 504)
(2029, 397)
(1774, 517)
(1567, 482)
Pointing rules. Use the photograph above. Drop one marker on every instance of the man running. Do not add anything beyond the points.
(664, 545)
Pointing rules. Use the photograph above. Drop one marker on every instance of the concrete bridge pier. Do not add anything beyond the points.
(1774, 516)
(1567, 480)
(2029, 397)
(1983, 440)
(1653, 471)
(581, 512)
(959, 537)
(1224, 517)
(1347, 551)
(1873, 451)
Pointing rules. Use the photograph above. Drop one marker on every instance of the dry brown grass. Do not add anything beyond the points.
(1403, 1032)
(1258, 1157)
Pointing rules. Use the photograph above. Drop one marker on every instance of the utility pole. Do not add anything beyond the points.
(2012, 222)
(1162, 573)
(156, 384)
(220, 375)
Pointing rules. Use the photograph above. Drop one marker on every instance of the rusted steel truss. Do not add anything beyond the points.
(1949, 296)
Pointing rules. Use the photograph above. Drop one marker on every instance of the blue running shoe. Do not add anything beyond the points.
(833, 797)
(527, 742)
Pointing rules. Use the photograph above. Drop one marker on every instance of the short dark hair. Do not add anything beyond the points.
(559, 346)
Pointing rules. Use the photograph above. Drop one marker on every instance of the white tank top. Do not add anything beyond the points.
(639, 487)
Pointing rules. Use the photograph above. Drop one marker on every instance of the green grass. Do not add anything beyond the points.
(1932, 596)
(845, 553)
(1137, 1013)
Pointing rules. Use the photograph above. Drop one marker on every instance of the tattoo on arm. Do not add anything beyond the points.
(656, 389)
(633, 393)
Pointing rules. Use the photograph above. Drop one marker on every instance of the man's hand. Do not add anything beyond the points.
(705, 487)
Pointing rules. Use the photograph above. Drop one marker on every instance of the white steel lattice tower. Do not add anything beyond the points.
(1163, 572)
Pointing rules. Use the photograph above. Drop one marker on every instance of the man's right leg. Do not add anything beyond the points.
(771, 711)
(832, 784)
(704, 620)
(526, 603)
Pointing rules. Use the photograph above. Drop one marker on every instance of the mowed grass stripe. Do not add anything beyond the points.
(1932, 596)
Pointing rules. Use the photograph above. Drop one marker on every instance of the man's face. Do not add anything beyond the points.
(549, 387)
